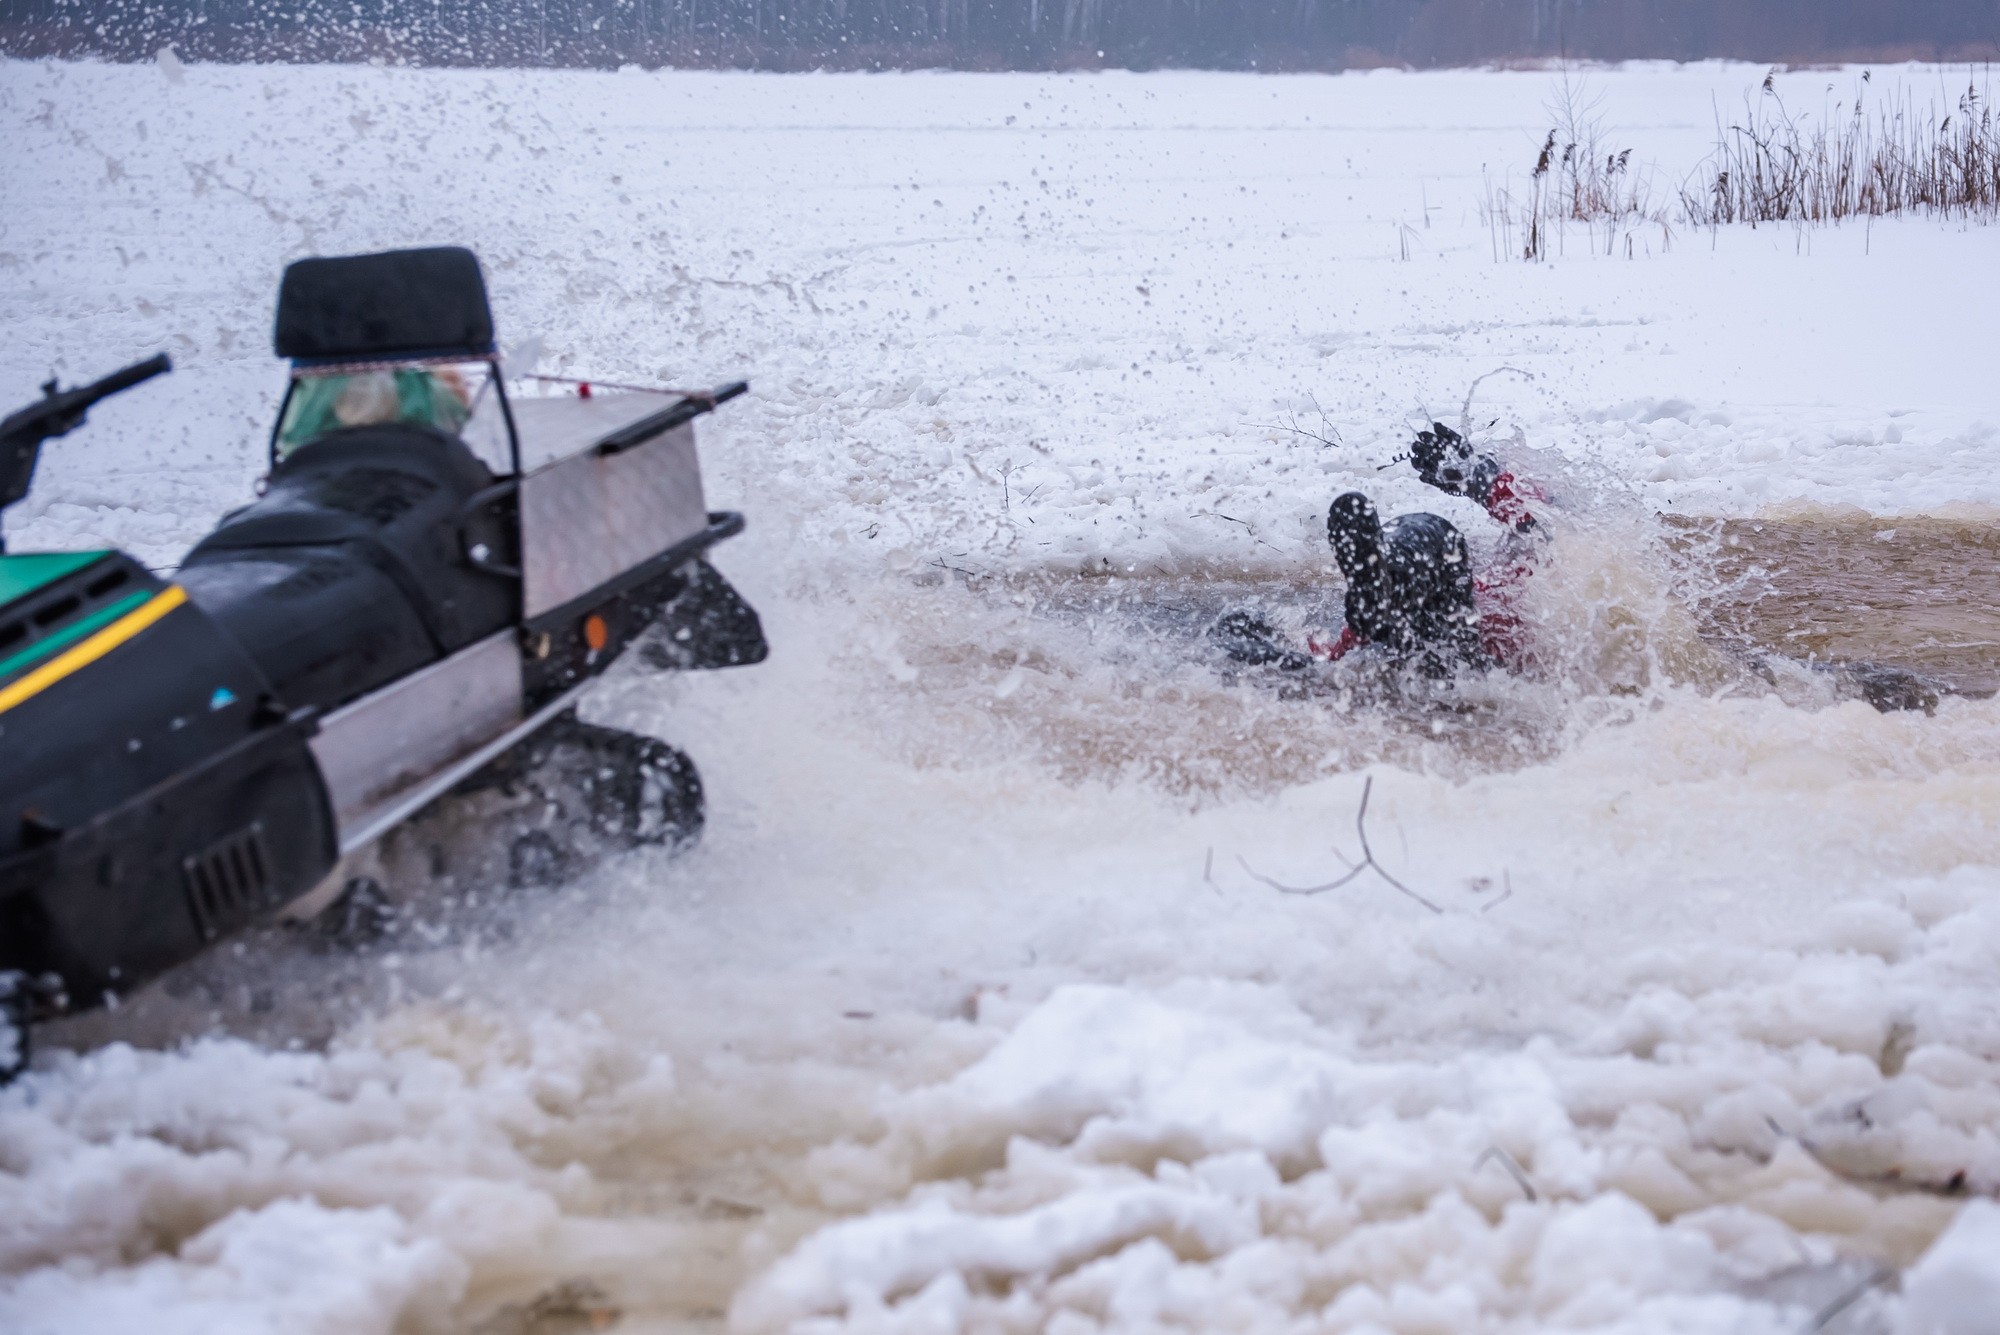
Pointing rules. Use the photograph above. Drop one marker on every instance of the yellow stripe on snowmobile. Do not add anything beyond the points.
(92, 649)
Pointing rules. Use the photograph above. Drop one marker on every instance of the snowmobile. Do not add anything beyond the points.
(434, 569)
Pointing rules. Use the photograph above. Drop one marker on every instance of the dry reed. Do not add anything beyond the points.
(1852, 161)
(1577, 179)
(1859, 158)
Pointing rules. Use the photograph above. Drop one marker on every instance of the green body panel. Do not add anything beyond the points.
(22, 575)
(49, 645)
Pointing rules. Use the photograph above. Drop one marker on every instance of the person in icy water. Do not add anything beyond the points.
(1409, 587)
(1410, 584)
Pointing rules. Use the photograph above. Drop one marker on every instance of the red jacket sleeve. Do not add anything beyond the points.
(1339, 649)
(1508, 502)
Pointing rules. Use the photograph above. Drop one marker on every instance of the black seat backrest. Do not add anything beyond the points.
(398, 303)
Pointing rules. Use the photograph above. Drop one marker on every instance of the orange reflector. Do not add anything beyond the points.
(595, 633)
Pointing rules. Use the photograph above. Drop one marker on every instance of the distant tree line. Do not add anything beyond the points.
(1003, 34)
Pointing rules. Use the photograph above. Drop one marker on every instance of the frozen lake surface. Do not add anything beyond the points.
(975, 1010)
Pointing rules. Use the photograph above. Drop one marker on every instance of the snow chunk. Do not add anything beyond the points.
(293, 1267)
(864, 1263)
(1954, 1289)
(1123, 1073)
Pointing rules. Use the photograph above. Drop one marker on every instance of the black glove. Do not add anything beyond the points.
(1445, 460)
(1248, 638)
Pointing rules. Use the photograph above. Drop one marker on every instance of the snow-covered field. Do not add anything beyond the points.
(969, 1013)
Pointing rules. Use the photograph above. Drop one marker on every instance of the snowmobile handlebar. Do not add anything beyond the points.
(58, 412)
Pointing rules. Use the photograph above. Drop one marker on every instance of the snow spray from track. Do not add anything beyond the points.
(1504, 1116)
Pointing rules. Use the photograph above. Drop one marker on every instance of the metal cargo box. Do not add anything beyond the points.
(591, 511)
